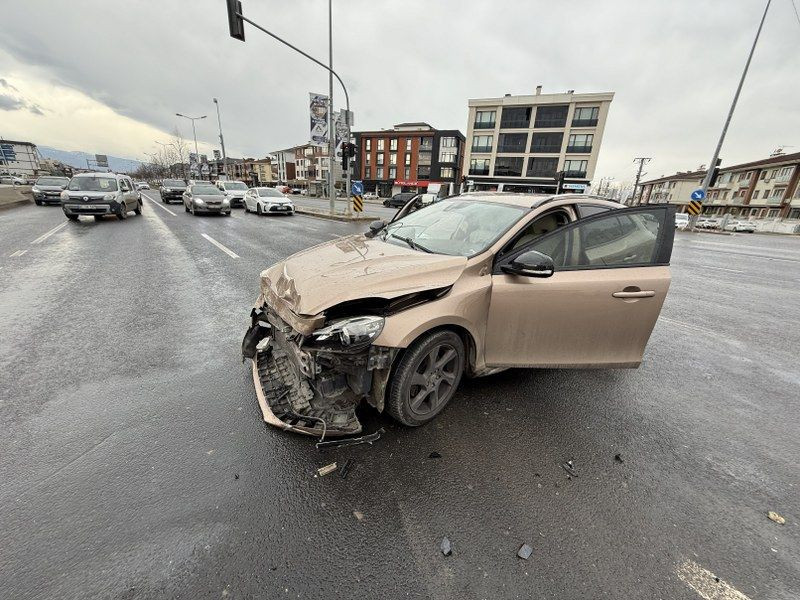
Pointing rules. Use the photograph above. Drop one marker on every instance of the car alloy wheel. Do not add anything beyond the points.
(426, 378)
(122, 214)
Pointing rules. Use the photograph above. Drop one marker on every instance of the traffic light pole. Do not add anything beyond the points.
(321, 64)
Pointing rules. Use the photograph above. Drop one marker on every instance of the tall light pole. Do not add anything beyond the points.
(331, 130)
(194, 133)
(642, 160)
(222, 141)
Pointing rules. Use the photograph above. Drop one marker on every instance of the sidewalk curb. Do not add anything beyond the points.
(330, 217)
(15, 204)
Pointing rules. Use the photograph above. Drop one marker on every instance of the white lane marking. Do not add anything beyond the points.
(702, 329)
(706, 584)
(19, 253)
(718, 268)
(227, 251)
(158, 205)
(44, 236)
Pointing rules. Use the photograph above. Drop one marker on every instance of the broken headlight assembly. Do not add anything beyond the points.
(346, 335)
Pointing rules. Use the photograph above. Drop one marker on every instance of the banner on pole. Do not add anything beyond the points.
(318, 108)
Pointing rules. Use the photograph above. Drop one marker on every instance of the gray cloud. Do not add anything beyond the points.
(10, 103)
(673, 65)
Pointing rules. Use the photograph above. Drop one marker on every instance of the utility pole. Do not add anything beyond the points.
(222, 142)
(194, 133)
(642, 160)
(331, 131)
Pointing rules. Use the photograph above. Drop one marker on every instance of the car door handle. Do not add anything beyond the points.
(638, 294)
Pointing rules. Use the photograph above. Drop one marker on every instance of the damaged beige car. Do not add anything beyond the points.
(463, 287)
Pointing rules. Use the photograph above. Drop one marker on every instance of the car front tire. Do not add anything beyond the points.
(138, 209)
(258, 210)
(426, 378)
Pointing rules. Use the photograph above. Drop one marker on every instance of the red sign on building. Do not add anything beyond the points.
(411, 182)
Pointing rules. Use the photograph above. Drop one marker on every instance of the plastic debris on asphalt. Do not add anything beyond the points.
(773, 516)
(618, 457)
(569, 467)
(345, 468)
(351, 441)
(358, 515)
(525, 551)
(434, 454)
(326, 469)
(446, 546)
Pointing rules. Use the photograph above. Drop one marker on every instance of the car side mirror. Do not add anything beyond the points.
(531, 264)
(375, 227)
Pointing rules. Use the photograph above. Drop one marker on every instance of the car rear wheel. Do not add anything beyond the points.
(38, 202)
(386, 203)
(426, 378)
(72, 217)
(138, 209)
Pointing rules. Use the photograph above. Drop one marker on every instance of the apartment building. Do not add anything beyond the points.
(284, 165)
(670, 189)
(311, 167)
(19, 158)
(523, 142)
(408, 158)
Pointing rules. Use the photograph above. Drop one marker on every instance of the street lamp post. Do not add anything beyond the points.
(222, 141)
(194, 133)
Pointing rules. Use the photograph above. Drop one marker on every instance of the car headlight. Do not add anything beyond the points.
(64, 195)
(347, 335)
(35, 190)
(109, 197)
(199, 202)
(226, 201)
(166, 189)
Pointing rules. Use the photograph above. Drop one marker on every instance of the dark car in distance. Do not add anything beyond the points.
(47, 189)
(172, 189)
(399, 200)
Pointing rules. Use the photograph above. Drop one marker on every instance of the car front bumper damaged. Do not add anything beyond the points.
(311, 391)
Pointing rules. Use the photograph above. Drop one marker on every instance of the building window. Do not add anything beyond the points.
(512, 142)
(585, 116)
(379, 173)
(582, 143)
(407, 173)
(551, 116)
(392, 172)
(539, 166)
(408, 144)
(367, 159)
(547, 142)
(393, 144)
(482, 143)
(508, 166)
(447, 142)
(766, 194)
(518, 117)
(773, 212)
(447, 157)
(479, 166)
(485, 119)
(575, 168)
(745, 176)
(424, 158)
(380, 144)
(407, 159)
(446, 172)
(755, 195)
(368, 144)
(380, 158)
(424, 172)
(393, 158)
(426, 144)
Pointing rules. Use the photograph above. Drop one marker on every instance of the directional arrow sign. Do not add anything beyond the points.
(698, 194)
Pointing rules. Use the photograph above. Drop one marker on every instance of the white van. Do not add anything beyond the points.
(681, 220)
(234, 191)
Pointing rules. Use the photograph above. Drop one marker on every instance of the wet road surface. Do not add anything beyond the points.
(134, 462)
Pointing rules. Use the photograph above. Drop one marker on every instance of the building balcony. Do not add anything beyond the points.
(484, 125)
(546, 149)
(575, 174)
(579, 149)
(544, 123)
(782, 178)
(542, 174)
(510, 149)
(479, 171)
(584, 122)
(774, 201)
(515, 124)
(482, 149)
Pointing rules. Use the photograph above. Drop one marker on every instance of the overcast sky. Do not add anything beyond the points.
(107, 77)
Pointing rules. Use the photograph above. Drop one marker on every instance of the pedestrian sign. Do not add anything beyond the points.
(357, 188)
(698, 194)
(358, 203)
(695, 207)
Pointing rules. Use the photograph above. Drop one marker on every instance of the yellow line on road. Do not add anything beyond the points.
(706, 584)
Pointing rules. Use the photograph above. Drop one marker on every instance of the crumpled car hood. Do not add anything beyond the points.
(354, 267)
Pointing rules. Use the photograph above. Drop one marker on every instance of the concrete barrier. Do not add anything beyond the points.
(15, 195)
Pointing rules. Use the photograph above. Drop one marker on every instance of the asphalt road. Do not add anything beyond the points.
(370, 208)
(134, 462)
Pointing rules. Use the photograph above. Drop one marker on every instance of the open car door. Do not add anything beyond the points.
(416, 203)
(595, 304)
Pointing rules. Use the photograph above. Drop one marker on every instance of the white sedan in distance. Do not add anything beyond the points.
(267, 200)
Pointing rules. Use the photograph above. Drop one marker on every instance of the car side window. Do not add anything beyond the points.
(124, 185)
(587, 210)
(616, 239)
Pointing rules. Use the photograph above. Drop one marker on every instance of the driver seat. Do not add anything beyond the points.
(538, 228)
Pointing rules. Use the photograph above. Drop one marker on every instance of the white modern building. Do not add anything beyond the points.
(524, 142)
(19, 158)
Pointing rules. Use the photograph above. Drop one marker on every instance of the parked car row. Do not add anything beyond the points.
(204, 197)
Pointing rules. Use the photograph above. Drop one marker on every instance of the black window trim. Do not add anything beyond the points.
(663, 243)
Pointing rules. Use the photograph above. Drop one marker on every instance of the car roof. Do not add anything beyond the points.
(535, 200)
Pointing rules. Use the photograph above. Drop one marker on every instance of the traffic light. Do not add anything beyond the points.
(559, 177)
(235, 22)
(348, 151)
(714, 174)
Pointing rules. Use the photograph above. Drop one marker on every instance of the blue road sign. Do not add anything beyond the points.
(698, 194)
(357, 187)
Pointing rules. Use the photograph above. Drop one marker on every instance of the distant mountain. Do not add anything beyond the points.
(78, 159)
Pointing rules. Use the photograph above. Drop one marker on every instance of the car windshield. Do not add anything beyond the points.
(269, 192)
(457, 227)
(206, 190)
(93, 184)
(173, 183)
(237, 185)
(52, 181)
